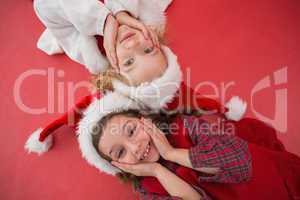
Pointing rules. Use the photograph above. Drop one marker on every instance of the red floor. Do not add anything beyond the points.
(220, 41)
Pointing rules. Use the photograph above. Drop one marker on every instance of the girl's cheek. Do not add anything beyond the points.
(129, 160)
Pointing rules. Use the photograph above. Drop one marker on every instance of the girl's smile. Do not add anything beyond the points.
(125, 36)
(125, 140)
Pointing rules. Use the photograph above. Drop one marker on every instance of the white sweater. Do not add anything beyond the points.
(72, 24)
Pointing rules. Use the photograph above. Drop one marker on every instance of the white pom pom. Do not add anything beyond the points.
(34, 145)
(236, 108)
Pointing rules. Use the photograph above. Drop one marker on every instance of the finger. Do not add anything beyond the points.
(148, 125)
(155, 132)
(114, 60)
(122, 166)
(107, 51)
(144, 30)
(126, 166)
(152, 130)
(152, 36)
(155, 38)
(110, 59)
(145, 33)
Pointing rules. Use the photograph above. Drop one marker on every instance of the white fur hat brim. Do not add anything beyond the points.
(112, 102)
(159, 92)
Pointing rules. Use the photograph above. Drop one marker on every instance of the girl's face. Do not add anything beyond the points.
(138, 59)
(125, 140)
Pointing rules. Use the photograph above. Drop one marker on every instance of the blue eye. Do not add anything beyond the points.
(149, 50)
(131, 130)
(129, 62)
(120, 153)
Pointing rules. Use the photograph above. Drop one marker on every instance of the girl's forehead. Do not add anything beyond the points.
(114, 125)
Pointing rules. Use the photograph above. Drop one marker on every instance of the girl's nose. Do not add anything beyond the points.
(135, 149)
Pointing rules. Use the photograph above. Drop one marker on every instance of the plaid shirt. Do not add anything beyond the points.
(227, 152)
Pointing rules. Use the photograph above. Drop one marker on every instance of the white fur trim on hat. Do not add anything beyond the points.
(34, 145)
(236, 108)
(160, 91)
(112, 102)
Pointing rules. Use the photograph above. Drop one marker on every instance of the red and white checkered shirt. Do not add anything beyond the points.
(227, 152)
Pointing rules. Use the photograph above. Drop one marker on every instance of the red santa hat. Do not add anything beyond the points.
(111, 103)
(158, 93)
(41, 140)
(154, 95)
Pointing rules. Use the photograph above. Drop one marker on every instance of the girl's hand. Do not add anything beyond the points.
(125, 19)
(159, 139)
(141, 169)
(109, 40)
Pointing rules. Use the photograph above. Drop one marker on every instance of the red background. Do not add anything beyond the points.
(220, 41)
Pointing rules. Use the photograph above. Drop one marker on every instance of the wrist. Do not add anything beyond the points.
(157, 169)
(171, 155)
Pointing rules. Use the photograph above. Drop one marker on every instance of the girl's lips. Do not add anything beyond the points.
(146, 152)
(126, 36)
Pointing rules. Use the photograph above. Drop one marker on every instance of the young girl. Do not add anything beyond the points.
(72, 24)
(191, 162)
(71, 27)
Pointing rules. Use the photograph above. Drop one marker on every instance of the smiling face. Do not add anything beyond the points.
(139, 61)
(124, 140)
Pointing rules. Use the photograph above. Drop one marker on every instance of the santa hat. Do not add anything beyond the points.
(158, 93)
(113, 102)
(147, 96)
(41, 140)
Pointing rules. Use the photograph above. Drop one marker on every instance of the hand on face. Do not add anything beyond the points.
(140, 169)
(125, 19)
(160, 142)
(111, 31)
(159, 139)
(109, 40)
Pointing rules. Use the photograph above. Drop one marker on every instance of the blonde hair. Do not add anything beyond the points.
(103, 82)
